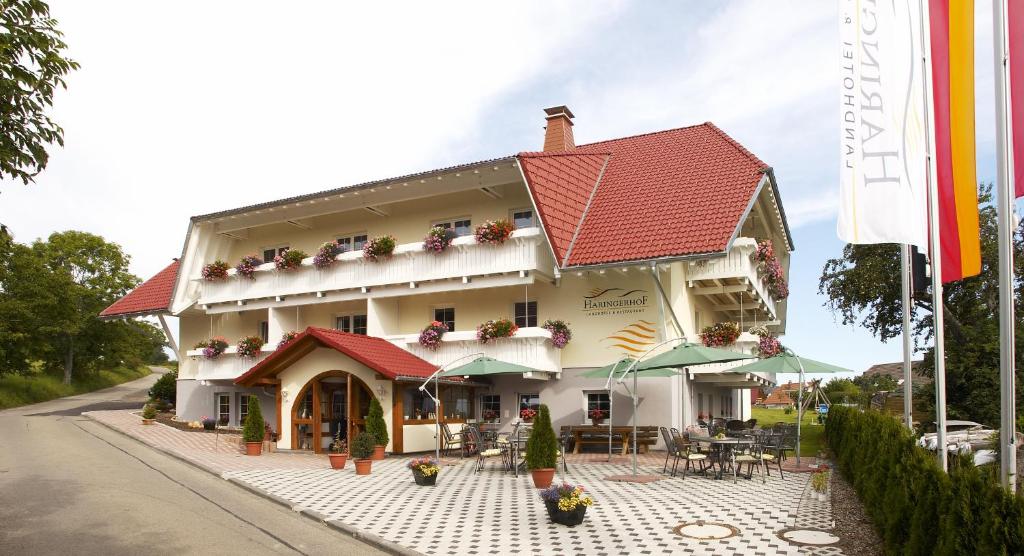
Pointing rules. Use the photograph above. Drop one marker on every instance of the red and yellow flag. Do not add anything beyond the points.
(952, 40)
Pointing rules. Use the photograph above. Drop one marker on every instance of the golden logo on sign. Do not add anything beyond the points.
(633, 339)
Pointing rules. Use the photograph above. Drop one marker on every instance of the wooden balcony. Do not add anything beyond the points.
(227, 366)
(733, 285)
(530, 347)
(410, 270)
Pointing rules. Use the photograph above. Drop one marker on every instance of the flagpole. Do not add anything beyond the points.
(935, 249)
(1004, 196)
(905, 266)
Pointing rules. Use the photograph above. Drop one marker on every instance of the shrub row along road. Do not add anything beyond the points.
(69, 485)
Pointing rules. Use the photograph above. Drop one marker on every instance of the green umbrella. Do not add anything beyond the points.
(487, 366)
(688, 354)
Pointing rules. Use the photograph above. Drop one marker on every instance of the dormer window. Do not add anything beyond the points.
(523, 218)
(461, 226)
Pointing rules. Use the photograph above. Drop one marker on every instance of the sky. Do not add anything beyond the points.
(187, 108)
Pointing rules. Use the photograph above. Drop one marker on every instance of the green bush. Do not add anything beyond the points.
(149, 412)
(916, 508)
(375, 424)
(165, 388)
(542, 446)
(253, 430)
(362, 446)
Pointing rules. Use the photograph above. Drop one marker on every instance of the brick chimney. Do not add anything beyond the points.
(558, 134)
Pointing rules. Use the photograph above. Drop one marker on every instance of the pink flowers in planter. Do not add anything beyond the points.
(430, 337)
(290, 259)
(287, 337)
(438, 239)
(771, 270)
(325, 255)
(247, 266)
(250, 346)
(560, 332)
(493, 329)
(213, 347)
(768, 345)
(720, 334)
(217, 270)
(379, 248)
(494, 232)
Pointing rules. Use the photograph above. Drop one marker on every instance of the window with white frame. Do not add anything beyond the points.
(596, 400)
(525, 313)
(445, 315)
(243, 407)
(356, 324)
(270, 252)
(265, 331)
(523, 218)
(490, 407)
(352, 242)
(529, 401)
(460, 226)
(223, 409)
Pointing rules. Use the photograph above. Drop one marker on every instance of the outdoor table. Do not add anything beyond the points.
(626, 433)
(727, 451)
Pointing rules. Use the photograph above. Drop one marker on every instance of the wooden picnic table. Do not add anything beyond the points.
(590, 434)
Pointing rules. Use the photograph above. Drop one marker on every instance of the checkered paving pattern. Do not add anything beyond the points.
(492, 512)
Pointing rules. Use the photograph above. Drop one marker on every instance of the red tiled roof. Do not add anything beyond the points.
(376, 353)
(669, 193)
(779, 397)
(151, 296)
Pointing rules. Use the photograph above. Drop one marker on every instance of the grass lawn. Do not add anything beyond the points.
(37, 387)
(812, 435)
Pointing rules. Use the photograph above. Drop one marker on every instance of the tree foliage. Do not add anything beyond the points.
(32, 66)
(863, 288)
(375, 424)
(254, 428)
(51, 293)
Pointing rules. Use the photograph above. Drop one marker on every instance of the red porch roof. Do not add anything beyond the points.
(376, 353)
(150, 297)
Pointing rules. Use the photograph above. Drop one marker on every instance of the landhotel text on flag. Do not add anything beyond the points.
(883, 187)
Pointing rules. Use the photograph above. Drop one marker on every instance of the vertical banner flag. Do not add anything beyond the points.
(952, 44)
(883, 188)
(1015, 112)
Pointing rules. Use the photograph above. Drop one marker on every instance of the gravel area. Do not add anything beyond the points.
(857, 535)
(167, 418)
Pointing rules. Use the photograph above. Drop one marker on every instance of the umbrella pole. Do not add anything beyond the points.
(611, 415)
(634, 421)
(799, 408)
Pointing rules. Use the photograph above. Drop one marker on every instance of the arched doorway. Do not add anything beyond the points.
(331, 402)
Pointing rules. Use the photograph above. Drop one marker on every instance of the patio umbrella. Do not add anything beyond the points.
(482, 366)
(689, 354)
(788, 362)
(621, 367)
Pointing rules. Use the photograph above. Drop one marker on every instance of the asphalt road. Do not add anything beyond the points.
(72, 486)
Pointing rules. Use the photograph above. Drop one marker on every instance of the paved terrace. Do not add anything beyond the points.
(496, 513)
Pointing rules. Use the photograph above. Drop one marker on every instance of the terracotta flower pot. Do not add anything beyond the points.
(253, 448)
(338, 460)
(378, 453)
(148, 421)
(542, 477)
(363, 466)
(597, 422)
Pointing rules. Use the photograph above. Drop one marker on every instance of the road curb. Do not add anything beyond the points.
(369, 538)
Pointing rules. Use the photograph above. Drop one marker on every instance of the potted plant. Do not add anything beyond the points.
(596, 416)
(560, 333)
(430, 337)
(250, 346)
(287, 337)
(217, 270)
(819, 482)
(490, 415)
(492, 329)
(213, 347)
(362, 450)
(247, 266)
(542, 449)
(527, 414)
(424, 471)
(438, 239)
(338, 452)
(720, 334)
(209, 423)
(325, 254)
(771, 270)
(493, 232)
(289, 259)
(377, 428)
(252, 433)
(566, 504)
(379, 248)
(148, 414)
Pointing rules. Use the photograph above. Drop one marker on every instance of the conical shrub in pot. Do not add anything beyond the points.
(542, 449)
(377, 428)
(361, 450)
(252, 432)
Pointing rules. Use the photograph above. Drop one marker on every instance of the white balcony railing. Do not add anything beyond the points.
(409, 265)
(738, 266)
(746, 343)
(228, 365)
(530, 347)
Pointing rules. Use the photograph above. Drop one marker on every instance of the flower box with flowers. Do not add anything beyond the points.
(560, 332)
(493, 232)
(248, 265)
(720, 334)
(424, 471)
(290, 259)
(287, 337)
(250, 346)
(768, 345)
(438, 239)
(771, 270)
(430, 337)
(217, 270)
(493, 329)
(213, 347)
(527, 414)
(490, 416)
(379, 248)
(597, 415)
(325, 255)
(566, 503)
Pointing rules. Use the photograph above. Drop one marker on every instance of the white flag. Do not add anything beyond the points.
(883, 187)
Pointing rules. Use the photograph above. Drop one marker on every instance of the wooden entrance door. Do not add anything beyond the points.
(330, 402)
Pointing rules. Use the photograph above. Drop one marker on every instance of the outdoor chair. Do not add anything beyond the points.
(483, 453)
(771, 452)
(684, 449)
(736, 425)
(449, 440)
(752, 423)
(750, 455)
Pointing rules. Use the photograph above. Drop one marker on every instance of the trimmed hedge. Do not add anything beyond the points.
(916, 508)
